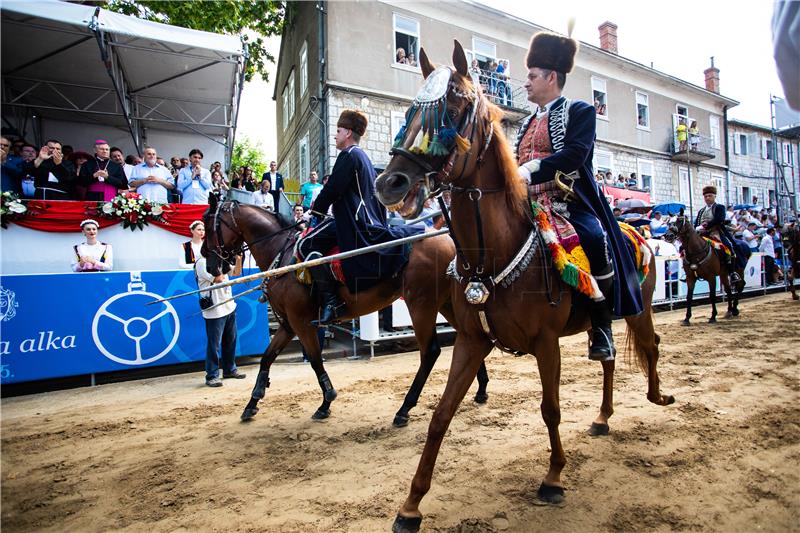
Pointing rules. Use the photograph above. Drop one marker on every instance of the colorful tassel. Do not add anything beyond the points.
(463, 145)
(398, 139)
(437, 148)
(425, 142)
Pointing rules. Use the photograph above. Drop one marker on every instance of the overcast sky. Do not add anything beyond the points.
(678, 37)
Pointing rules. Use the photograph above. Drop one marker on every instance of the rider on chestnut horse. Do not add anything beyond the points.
(557, 141)
(710, 222)
(358, 221)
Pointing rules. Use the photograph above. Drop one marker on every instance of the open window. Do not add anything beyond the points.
(642, 111)
(645, 172)
(406, 41)
(600, 97)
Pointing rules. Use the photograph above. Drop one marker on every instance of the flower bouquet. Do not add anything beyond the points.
(134, 210)
(10, 207)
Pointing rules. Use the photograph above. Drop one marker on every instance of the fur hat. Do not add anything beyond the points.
(552, 51)
(709, 189)
(354, 120)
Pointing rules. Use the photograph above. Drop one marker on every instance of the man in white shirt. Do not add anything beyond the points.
(220, 326)
(263, 196)
(119, 158)
(150, 179)
(767, 247)
(750, 237)
(194, 181)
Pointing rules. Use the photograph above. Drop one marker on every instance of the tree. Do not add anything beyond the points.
(247, 154)
(261, 17)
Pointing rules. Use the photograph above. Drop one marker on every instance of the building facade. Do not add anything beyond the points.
(337, 55)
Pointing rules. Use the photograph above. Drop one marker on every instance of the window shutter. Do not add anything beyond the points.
(764, 149)
(737, 144)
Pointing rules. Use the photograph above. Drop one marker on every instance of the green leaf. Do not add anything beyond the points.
(248, 154)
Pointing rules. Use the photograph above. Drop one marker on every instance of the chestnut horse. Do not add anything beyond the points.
(270, 238)
(489, 205)
(701, 260)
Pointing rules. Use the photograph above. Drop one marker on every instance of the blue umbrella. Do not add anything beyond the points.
(672, 208)
(744, 206)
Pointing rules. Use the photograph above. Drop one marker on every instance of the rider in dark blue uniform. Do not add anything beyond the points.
(359, 220)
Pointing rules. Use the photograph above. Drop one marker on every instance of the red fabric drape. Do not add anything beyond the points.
(65, 217)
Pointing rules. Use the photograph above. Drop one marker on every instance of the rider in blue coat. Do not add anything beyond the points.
(560, 136)
(359, 220)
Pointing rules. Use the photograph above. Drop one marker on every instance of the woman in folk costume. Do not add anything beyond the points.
(190, 250)
(559, 137)
(91, 256)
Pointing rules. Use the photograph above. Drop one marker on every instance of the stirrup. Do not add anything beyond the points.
(604, 350)
(329, 315)
(734, 277)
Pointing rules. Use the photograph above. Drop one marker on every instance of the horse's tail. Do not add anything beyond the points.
(641, 342)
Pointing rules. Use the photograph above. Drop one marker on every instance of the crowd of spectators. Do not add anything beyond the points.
(607, 178)
(494, 79)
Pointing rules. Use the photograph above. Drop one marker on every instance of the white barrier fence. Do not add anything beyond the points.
(669, 291)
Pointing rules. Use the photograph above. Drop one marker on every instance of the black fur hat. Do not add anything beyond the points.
(552, 51)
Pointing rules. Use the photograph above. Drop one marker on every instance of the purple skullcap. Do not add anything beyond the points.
(100, 141)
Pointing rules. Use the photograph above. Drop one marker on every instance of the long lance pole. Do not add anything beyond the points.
(307, 264)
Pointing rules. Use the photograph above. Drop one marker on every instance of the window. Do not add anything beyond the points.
(766, 149)
(406, 38)
(398, 119)
(645, 174)
(303, 160)
(740, 143)
(285, 107)
(788, 154)
(773, 200)
(599, 96)
(713, 126)
(642, 111)
(303, 69)
(746, 195)
(682, 110)
(719, 183)
(291, 94)
(683, 184)
(603, 161)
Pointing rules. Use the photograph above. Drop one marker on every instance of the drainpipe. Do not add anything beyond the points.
(727, 158)
(323, 105)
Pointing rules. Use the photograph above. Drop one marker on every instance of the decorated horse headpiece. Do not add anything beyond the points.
(438, 135)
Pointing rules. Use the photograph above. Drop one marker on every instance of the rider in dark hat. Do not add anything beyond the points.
(358, 221)
(560, 136)
(711, 221)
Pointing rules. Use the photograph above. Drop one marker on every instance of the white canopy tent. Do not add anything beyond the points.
(80, 64)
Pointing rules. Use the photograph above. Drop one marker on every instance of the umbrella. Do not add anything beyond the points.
(744, 206)
(672, 208)
(635, 220)
(630, 203)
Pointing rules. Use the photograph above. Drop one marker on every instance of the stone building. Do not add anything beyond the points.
(336, 55)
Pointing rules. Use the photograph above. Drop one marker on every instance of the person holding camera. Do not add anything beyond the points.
(220, 321)
(194, 181)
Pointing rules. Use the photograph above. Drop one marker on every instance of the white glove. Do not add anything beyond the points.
(531, 167)
(307, 216)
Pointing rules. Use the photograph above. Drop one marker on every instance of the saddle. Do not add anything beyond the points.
(568, 255)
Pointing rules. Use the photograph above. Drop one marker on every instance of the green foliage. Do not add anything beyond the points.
(263, 18)
(247, 154)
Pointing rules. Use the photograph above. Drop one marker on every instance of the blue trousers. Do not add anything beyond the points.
(321, 239)
(221, 332)
(592, 237)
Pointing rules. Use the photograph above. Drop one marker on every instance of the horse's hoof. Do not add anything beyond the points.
(249, 413)
(321, 414)
(728, 315)
(712, 320)
(686, 323)
(598, 430)
(668, 399)
(481, 398)
(330, 395)
(735, 312)
(795, 297)
(400, 421)
(404, 524)
(550, 495)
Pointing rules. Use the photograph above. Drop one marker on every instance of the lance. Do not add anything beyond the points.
(306, 264)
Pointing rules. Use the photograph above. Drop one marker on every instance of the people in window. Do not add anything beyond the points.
(412, 59)
(400, 56)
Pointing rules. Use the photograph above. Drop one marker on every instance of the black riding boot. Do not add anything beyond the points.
(733, 276)
(602, 345)
(330, 304)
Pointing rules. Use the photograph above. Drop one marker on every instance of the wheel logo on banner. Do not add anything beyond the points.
(8, 304)
(138, 329)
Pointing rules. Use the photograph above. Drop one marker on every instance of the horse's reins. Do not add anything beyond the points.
(707, 253)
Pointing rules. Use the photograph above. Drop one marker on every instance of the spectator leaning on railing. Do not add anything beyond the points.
(194, 181)
(152, 180)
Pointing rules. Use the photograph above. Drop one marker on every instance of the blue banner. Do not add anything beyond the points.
(56, 325)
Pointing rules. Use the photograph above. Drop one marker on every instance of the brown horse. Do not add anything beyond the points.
(271, 238)
(792, 238)
(703, 261)
(489, 205)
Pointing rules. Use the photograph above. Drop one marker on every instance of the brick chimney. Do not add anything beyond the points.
(712, 77)
(608, 37)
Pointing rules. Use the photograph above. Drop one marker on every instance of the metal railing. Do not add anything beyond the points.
(501, 89)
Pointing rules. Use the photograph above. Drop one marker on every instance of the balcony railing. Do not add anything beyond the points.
(503, 90)
(695, 149)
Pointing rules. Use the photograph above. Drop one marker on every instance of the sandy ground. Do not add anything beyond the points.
(170, 454)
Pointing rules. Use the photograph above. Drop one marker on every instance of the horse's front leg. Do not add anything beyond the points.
(481, 396)
(690, 281)
(276, 344)
(600, 424)
(468, 353)
(712, 292)
(548, 358)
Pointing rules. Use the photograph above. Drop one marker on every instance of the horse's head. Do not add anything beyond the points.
(223, 240)
(680, 228)
(447, 131)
